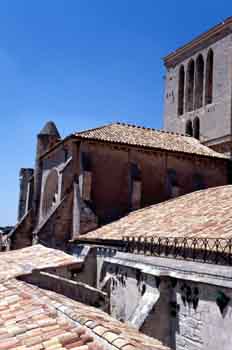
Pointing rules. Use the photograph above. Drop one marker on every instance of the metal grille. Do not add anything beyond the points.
(211, 250)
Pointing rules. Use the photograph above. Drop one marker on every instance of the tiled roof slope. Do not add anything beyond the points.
(27, 321)
(146, 137)
(22, 261)
(31, 318)
(206, 213)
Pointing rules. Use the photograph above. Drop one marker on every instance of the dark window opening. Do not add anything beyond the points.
(135, 172)
(86, 161)
(190, 86)
(196, 128)
(181, 91)
(198, 182)
(189, 128)
(135, 187)
(199, 86)
(209, 78)
(172, 184)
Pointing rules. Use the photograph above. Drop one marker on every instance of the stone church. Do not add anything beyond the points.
(94, 177)
(144, 214)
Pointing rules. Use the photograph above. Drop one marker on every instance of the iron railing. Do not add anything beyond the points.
(210, 250)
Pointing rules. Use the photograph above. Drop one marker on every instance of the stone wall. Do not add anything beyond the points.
(139, 299)
(110, 195)
(75, 290)
(59, 161)
(203, 326)
(183, 314)
(25, 192)
(56, 230)
(21, 236)
(110, 192)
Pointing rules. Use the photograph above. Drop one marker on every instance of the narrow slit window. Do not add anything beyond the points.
(209, 78)
(196, 128)
(199, 86)
(189, 128)
(181, 91)
(190, 86)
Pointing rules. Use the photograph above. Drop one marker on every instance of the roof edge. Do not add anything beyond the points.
(209, 34)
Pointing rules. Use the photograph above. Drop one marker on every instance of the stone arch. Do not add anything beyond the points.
(199, 85)
(209, 77)
(50, 194)
(190, 86)
(196, 128)
(189, 128)
(181, 90)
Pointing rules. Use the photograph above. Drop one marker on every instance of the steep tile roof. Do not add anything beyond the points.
(22, 261)
(150, 138)
(31, 318)
(206, 213)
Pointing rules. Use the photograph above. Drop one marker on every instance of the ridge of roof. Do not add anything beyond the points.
(132, 126)
(19, 262)
(93, 129)
(140, 136)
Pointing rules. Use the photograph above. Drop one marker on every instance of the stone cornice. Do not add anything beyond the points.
(204, 39)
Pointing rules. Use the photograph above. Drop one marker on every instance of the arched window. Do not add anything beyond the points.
(50, 193)
(189, 128)
(181, 91)
(196, 128)
(190, 86)
(209, 78)
(199, 82)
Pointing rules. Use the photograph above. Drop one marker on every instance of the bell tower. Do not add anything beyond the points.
(198, 91)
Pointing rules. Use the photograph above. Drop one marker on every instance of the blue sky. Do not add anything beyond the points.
(83, 63)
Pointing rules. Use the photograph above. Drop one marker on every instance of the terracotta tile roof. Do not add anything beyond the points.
(150, 138)
(22, 261)
(27, 321)
(117, 333)
(31, 318)
(206, 213)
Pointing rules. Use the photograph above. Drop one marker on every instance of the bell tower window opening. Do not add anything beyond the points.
(196, 128)
(181, 91)
(190, 86)
(189, 128)
(209, 78)
(199, 85)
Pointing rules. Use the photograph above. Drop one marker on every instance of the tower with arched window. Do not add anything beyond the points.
(198, 92)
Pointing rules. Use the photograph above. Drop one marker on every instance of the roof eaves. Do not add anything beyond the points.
(198, 40)
(149, 148)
